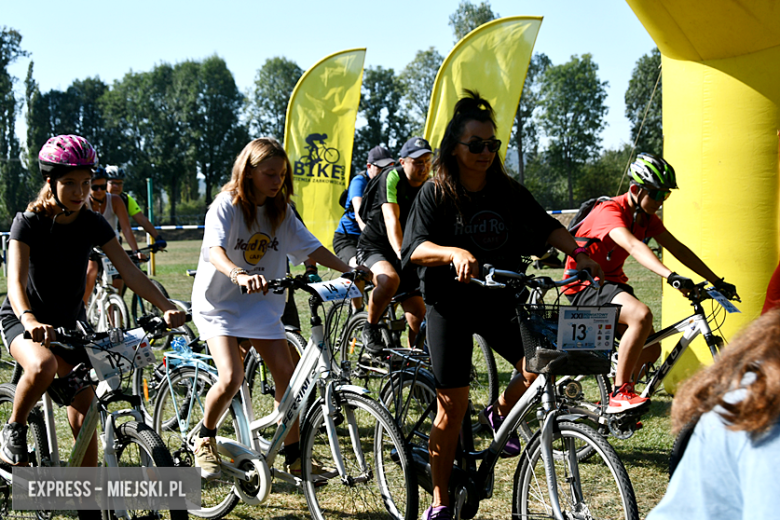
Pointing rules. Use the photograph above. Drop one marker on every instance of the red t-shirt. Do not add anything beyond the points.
(602, 219)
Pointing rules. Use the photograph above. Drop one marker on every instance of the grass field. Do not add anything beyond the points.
(645, 454)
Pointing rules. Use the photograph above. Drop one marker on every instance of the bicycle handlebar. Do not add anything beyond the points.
(530, 280)
(300, 282)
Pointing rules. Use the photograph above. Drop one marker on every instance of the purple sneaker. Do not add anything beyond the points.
(437, 513)
(512, 448)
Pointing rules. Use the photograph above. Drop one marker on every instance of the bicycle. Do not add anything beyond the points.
(112, 355)
(366, 368)
(372, 473)
(552, 480)
(106, 308)
(624, 425)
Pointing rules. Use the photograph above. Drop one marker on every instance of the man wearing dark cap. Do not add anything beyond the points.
(345, 239)
(379, 247)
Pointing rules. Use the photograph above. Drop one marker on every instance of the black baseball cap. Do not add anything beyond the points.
(379, 156)
(415, 147)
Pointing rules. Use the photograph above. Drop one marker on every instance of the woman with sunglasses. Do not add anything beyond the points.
(472, 213)
(611, 232)
(115, 212)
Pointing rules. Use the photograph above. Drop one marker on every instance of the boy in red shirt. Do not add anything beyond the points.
(611, 232)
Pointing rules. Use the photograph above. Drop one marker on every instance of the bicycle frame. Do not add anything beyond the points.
(314, 369)
(690, 327)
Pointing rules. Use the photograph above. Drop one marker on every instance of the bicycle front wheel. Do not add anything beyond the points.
(596, 488)
(116, 312)
(178, 412)
(379, 480)
(139, 446)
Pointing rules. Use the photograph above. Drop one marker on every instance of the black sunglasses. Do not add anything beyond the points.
(98, 187)
(477, 146)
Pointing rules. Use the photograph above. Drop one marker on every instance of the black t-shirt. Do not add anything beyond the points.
(58, 263)
(394, 188)
(497, 225)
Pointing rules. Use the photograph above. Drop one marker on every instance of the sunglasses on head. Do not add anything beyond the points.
(98, 187)
(477, 146)
(659, 195)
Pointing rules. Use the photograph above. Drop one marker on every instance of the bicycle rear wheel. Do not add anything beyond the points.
(597, 488)
(137, 446)
(186, 395)
(352, 349)
(379, 480)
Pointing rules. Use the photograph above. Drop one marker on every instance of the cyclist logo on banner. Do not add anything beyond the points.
(322, 164)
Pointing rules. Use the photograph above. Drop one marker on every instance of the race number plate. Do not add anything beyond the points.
(338, 289)
(586, 328)
(133, 350)
(108, 267)
(723, 301)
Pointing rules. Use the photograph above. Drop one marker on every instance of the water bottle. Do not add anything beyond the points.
(180, 346)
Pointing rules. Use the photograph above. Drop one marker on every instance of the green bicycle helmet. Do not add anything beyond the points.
(651, 172)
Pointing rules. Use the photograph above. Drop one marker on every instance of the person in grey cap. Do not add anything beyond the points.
(345, 238)
(379, 247)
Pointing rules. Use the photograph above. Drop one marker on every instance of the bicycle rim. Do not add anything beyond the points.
(379, 482)
(217, 496)
(116, 312)
(596, 488)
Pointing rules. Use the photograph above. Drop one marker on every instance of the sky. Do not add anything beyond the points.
(86, 38)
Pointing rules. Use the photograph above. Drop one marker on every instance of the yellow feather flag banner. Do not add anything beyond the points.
(318, 135)
(492, 59)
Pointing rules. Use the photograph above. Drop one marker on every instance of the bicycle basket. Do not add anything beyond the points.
(539, 332)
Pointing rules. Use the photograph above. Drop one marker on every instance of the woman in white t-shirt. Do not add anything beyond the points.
(250, 232)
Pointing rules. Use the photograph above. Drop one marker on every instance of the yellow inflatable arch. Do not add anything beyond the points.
(721, 93)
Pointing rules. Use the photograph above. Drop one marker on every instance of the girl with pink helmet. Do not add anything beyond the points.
(48, 253)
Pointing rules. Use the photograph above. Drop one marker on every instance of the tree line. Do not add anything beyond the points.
(177, 121)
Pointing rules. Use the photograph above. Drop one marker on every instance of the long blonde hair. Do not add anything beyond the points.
(755, 350)
(44, 203)
(241, 188)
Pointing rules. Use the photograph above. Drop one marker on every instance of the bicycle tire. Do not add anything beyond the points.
(385, 487)
(410, 398)
(116, 312)
(138, 445)
(16, 375)
(352, 349)
(336, 320)
(141, 307)
(217, 496)
(154, 374)
(483, 383)
(601, 480)
(296, 340)
(679, 446)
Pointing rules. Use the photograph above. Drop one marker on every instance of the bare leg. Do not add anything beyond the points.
(639, 321)
(92, 270)
(40, 367)
(516, 388)
(453, 404)
(386, 282)
(230, 375)
(414, 310)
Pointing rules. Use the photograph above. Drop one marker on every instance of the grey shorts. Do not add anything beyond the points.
(605, 294)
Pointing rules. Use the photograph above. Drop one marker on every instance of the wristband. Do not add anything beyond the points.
(579, 250)
(25, 312)
(234, 274)
(311, 269)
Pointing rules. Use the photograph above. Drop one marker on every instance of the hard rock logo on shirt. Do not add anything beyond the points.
(487, 230)
(255, 248)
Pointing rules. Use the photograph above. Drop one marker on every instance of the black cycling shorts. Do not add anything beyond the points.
(345, 246)
(605, 294)
(450, 329)
(409, 279)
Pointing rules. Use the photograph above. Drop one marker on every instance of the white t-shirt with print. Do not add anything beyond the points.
(218, 306)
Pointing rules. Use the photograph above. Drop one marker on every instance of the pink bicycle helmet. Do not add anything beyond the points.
(66, 152)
